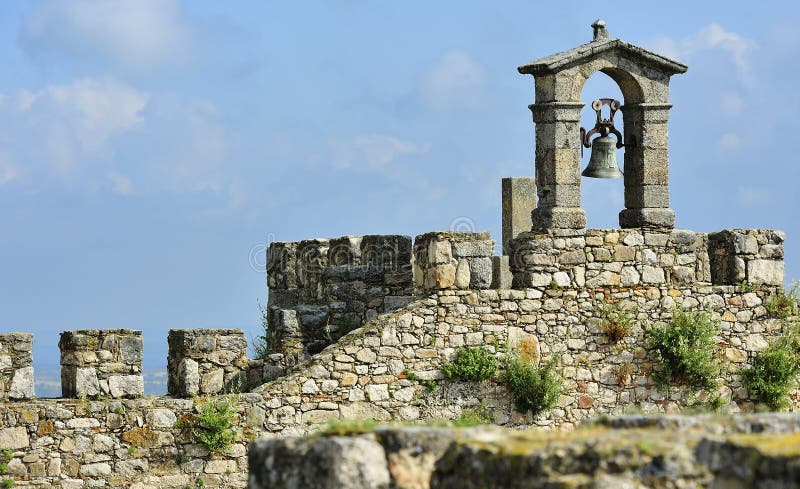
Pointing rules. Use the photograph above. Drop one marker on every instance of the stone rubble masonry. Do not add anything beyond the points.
(519, 200)
(453, 260)
(16, 366)
(206, 361)
(101, 363)
(320, 289)
(631, 257)
(753, 256)
(623, 452)
(138, 443)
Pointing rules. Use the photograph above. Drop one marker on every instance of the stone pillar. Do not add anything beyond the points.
(206, 361)
(519, 201)
(646, 167)
(453, 260)
(16, 366)
(101, 363)
(558, 162)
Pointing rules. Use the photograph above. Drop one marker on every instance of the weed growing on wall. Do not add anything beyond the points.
(783, 304)
(774, 372)
(685, 350)
(348, 427)
(471, 364)
(616, 321)
(476, 416)
(214, 424)
(533, 388)
(260, 344)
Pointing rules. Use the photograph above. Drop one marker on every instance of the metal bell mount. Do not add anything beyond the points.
(603, 160)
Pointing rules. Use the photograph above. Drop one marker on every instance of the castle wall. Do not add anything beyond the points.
(101, 363)
(16, 366)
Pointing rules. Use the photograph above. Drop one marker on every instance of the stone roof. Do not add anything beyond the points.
(586, 52)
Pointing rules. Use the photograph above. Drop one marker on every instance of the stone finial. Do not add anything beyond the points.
(600, 31)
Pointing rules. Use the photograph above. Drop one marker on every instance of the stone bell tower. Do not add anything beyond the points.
(643, 78)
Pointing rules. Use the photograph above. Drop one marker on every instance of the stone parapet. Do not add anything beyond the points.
(101, 363)
(611, 258)
(206, 361)
(16, 366)
(321, 289)
(753, 256)
(453, 260)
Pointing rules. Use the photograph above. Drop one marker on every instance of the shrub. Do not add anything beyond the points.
(616, 322)
(474, 417)
(534, 389)
(774, 372)
(260, 344)
(213, 425)
(685, 350)
(474, 364)
(784, 304)
(622, 373)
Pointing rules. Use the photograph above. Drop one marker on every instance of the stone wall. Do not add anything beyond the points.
(385, 371)
(206, 361)
(16, 366)
(98, 363)
(630, 257)
(320, 289)
(756, 451)
(453, 260)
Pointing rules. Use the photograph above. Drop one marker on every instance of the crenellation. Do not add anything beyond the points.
(101, 363)
(16, 366)
(207, 361)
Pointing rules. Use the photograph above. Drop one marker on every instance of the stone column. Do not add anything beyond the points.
(558, 161)
(101, 363)
(16, 366)
(519, 201)
(646, 167)
(206, 361)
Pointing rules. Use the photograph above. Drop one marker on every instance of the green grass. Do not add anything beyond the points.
(473, 417)
(685, 351)
(471, 364)
(533, 388)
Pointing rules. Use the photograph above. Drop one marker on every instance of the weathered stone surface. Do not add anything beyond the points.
(14, 438)
(519, 200)
(94, 360)
(126, 386)
(355, 463)
(22, 384)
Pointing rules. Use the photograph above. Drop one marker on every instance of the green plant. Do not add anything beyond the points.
(553, 285)
(260, 344)
(534, 389)
(746, 287)
(120, 410)
(616, 321)
(5, 457)
(200, 482)
(131, 449)
(213, 425)
(429, 384)
(685, 350)
(774, 372)
(9, 483)
(474, 417)
(783, 304)
(472, 364)
(622, 373)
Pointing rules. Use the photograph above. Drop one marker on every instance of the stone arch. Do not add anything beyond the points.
(629, 84)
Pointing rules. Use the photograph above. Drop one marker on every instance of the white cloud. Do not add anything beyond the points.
(120, 184)
(63, 127)
(458, 81)
(711, 38)
(139, 36)
(729, 142)
(374, 150)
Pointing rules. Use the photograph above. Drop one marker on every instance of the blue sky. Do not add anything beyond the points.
(149, 149)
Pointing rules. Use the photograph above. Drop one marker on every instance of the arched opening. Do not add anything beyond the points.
(601, 198)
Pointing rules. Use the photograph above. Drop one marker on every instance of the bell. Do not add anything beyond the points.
(603, 161)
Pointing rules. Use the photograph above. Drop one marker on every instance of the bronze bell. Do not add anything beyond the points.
(603, 160)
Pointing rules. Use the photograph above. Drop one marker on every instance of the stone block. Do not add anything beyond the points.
(386, 253)
(345, 251)
(282, 265)
(549, 218)
(519, 200)
(193, 369)
(768, 272)
(16, 366)
(647, 218)
(480, 273)
(646, 196)
(484, 248)
(501, 273)
(22, 384)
